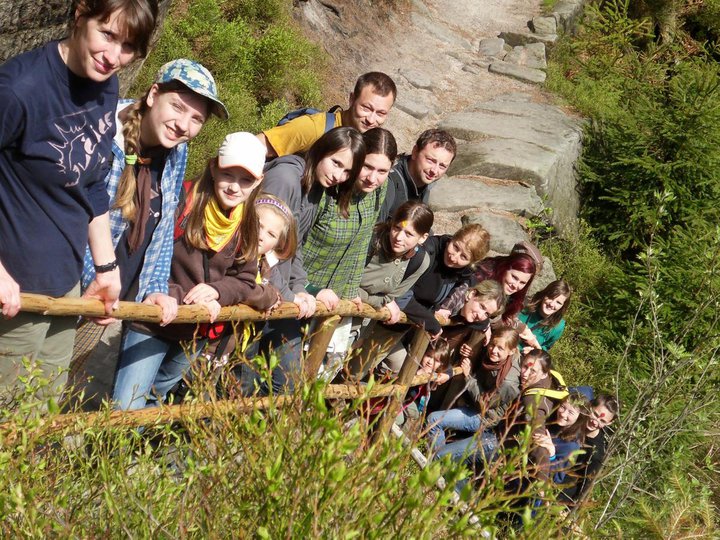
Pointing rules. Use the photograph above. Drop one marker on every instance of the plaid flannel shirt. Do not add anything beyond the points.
(156, 266)
(335, 250)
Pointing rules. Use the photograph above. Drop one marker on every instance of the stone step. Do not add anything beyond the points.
(521, 73)
(523, 38)
(505, 228)
(477, 192)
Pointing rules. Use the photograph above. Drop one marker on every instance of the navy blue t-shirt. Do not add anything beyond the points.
(56, 132)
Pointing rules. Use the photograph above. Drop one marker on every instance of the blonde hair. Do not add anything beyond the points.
(489, 290)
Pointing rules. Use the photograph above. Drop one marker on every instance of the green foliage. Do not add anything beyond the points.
(261, 62)
(646, 268)
(298, 469)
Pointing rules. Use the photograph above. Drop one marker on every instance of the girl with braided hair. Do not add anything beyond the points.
(149, 155)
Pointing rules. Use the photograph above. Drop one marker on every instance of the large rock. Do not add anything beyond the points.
(412, 107)
(505, 231)
(568, 14)
(522, 73)
(417, 79)
(492, 47)
(531, 55)
(543, 25)
(472, 192)
(513, 138)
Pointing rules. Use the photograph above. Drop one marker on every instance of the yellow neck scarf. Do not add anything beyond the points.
(219, 228)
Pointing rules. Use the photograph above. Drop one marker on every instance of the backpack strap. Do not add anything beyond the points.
(559, 392)
(330, 117)
(184, 207)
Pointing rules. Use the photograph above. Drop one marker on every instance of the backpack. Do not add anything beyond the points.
(558, 391)
(329, 116)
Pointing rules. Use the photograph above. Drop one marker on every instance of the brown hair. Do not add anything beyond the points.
(131, 128)
(382, 84)
(380, 141)
(437, 137)
(507, 336)
(417, 213)
(556, 288)
(440, 351)
(204, 191)
(331, 142)
(475, 239)
(538, 355)
(287, 243)
(139, 18)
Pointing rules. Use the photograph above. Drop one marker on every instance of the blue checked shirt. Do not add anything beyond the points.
(156, 267)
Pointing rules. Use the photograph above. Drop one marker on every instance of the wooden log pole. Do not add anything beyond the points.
(197, 410)
(88, 307)
(318, 346)
(419, 344)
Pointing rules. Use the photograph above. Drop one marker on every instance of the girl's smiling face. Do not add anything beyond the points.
(233, 185)
(172, 117)
(567, 414)
(550, 306)
(271, 227)
(404, 237)
(335, 168)
(514, 281)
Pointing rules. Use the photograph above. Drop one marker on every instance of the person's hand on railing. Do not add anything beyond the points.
(329, 299)
(395, 312)
(443, 313)
(465, 350)
(105, 287)
(202, 293)
(213, 308)
(358, 302)
(9, 294)
(466, 367)
(306, 304)
(168, 306)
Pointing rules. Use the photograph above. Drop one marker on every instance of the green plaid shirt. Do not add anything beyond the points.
(336, 248)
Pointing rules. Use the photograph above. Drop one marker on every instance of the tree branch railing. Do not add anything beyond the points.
(90, 308)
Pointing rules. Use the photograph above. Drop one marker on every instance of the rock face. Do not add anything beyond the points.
(27, 24)
(516, 139)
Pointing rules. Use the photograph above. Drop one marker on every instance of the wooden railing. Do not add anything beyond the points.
(326, 325)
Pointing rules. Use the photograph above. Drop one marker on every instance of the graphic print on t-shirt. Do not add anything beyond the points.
(78, 151)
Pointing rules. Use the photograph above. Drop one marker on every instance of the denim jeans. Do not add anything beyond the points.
(148, 368)
(474, 451)
(282, 337)
(460, 419)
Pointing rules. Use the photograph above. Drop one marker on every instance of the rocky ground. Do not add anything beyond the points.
(473, 68)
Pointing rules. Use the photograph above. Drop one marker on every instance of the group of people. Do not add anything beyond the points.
(94, 201)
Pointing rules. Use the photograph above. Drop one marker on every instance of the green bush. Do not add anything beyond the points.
(300, 469)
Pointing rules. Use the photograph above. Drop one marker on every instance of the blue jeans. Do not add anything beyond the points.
(460, 419)
(283, 338)
(474, 451)
(148, 368)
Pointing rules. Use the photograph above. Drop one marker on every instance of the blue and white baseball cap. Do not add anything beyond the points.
(197, 78)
